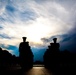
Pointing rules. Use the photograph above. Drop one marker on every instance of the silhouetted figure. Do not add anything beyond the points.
(59, 62)
(55, 46)
(25, 54)
(51, 56)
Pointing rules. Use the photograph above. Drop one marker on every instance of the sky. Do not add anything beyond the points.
(40, 21)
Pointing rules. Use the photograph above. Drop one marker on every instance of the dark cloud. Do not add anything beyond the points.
(68, 37)
(48, 40)
(40, 1)
(27, 15)
(10, 8)
(2, 19)
(5, 36)
(6, 19)
(69, 44)
(8, 14)
(67, 41)
(45, 40)
(12, 12)
(66, 3)
(1, 27)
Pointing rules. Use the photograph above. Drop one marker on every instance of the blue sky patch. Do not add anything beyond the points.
(10, 8)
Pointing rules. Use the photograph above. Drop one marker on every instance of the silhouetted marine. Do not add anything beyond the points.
(25, 54)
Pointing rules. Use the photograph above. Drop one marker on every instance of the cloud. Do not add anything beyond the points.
(10, 48)
(38, 20)
(10, 8)
(5, 36)
(67, 41)
(1, 27)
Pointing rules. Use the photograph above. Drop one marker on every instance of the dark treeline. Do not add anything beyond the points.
(59, 61)
(7, 59)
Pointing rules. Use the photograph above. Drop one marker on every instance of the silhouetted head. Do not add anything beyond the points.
(55, 39)
(24, 39)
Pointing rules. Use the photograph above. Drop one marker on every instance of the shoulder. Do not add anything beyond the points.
(21, 43)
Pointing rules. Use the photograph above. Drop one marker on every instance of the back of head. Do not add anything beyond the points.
(24, 39)
(55, 40)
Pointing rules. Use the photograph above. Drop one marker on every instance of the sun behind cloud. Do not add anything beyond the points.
(37, 30)
(35, 19)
